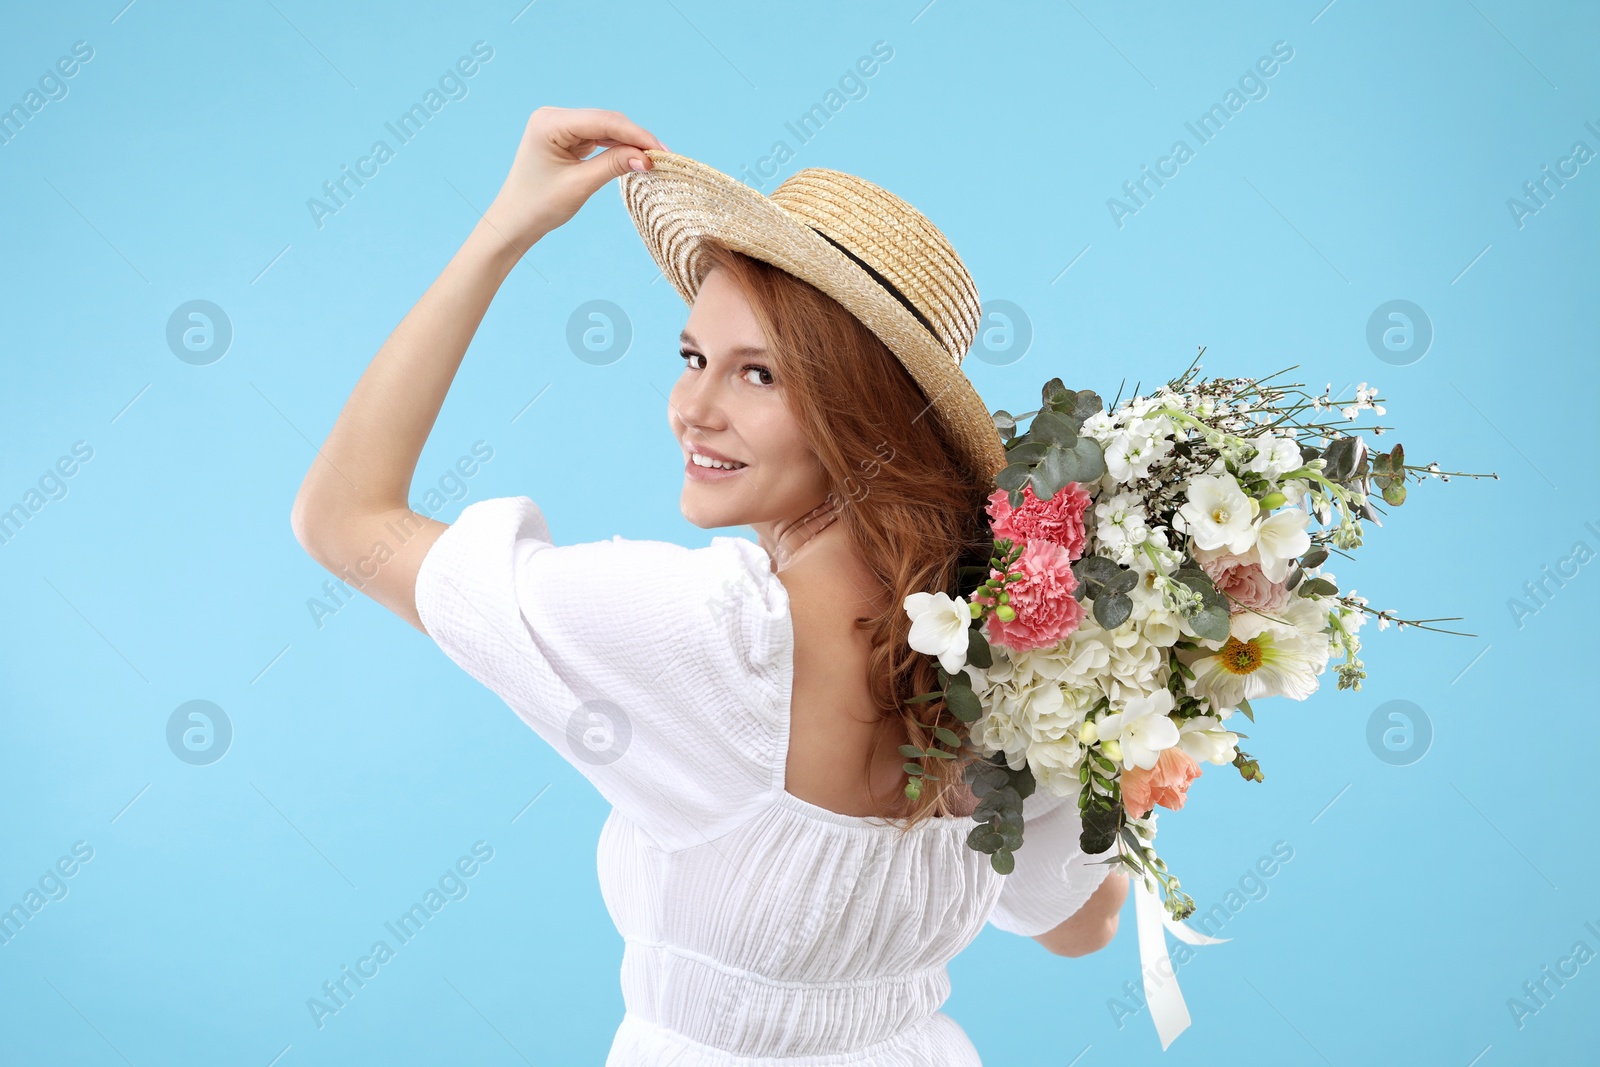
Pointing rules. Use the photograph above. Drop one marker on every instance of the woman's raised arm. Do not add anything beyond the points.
(351, 513)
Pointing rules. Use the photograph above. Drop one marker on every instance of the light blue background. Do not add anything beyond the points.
(1419, 899)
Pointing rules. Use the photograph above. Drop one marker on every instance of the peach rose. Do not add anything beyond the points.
(1167, 783)
(1239, 578)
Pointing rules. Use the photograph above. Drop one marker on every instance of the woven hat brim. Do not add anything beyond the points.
(680, 202)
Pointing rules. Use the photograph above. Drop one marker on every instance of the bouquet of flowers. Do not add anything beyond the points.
(1156, 566)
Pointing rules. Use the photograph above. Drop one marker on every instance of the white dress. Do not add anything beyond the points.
(758, 928)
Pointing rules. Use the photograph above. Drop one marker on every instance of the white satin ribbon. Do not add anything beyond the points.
(1161, 993)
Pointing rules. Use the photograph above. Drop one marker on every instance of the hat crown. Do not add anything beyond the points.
(893, 241)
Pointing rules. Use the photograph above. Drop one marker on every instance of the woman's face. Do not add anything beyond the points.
(729, 401)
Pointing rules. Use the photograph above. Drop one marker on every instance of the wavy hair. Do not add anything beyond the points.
(912, 510)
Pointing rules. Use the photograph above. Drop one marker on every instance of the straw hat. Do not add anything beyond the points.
(863, 246)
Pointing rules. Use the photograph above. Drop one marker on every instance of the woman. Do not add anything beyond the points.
(782, 896)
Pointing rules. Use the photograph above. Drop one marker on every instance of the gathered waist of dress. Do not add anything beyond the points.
(936, 1041)
(748, 1015)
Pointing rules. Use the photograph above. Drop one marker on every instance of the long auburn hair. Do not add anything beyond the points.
(911, 508)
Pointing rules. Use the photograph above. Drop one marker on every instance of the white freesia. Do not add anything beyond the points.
(1218, 513)
(1203, 738)
(939, 626)
(1142, 729)
(1280, 539)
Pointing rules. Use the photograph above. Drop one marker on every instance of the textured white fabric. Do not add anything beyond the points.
(759, 928)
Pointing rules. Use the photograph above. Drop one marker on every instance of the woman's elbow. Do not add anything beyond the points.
(1090, 940)
(1079, 938)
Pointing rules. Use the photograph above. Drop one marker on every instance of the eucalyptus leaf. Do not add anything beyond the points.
(1013, 477)
(1211, 622)
(1002, 861)
(978, 653)
(1112, 611)
(1052, 429)
(1123, 580)
(1344, 455)
(1314, 558)
(1029, 451)
(1100, 827)
(1086, 402)
(963, 703)
(1096, 569)
(1091, 460)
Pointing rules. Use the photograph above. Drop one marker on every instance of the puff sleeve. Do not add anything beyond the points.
(1053, 877)
(657, 671)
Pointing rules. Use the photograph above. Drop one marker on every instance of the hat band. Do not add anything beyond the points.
(882, 282)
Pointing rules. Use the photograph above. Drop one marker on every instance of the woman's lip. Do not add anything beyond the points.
(707, 474)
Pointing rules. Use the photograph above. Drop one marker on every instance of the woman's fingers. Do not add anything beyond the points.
(609, 128)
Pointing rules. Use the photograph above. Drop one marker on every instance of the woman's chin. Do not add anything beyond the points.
(705, 514)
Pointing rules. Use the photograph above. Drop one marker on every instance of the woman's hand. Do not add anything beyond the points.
(550, 177)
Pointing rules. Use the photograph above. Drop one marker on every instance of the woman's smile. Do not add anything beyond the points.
(704, 468)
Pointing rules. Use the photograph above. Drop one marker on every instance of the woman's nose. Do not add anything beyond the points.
(695, 402)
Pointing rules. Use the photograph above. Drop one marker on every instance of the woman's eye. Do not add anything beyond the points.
(689, 358)
(762, 371)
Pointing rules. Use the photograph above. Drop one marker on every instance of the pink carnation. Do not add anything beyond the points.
(1058, 520)
(1239, 578)
(1042, 598)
